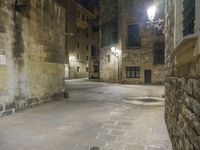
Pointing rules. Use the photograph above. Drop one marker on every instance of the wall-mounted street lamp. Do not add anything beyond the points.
(158, 24)
(72, 58)
(115, 52)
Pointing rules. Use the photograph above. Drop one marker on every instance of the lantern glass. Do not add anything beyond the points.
(151, 13)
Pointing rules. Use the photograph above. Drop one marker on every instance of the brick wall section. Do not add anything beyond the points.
(34, 47)
(182, 94)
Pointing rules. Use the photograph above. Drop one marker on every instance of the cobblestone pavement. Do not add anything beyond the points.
(94, 115)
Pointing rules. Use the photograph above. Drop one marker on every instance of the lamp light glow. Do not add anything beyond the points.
(151, 12)
(113, 49)
(72, 58)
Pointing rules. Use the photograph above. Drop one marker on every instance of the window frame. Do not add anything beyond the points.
(135, 72)
(159, 51)
(178, 21)
(77, 69)
(189, 17)
(131, 44)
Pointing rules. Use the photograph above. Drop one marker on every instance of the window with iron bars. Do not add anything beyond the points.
(188, 16)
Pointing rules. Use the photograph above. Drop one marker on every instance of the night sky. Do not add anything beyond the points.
(87, 3)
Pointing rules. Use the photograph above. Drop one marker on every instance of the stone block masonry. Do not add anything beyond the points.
(32, 40)
(182, 88)
(134, 64)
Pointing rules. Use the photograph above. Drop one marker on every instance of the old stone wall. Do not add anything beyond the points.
(182, 86)
(128, 13)
(33, 41)
(110, 36)
(79, 37)
(140, 56)
(94, 60)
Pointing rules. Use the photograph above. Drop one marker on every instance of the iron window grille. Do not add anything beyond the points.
(188, 16)
(132, 72)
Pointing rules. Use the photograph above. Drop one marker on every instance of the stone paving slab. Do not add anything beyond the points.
(94, 116)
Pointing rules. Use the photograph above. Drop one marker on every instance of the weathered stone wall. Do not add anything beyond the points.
(130, 12)
(110, 69)
(141, 56)
(34, 47)
(94, 60)
(182, 91)
(79, 37)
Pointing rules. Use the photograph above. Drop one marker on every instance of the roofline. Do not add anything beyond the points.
(84, 9)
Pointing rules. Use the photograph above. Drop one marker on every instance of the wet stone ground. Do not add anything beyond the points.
(95, 116)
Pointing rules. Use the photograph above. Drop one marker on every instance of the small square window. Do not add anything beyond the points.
(87, 69)
(94, 51)
(132, 72)
(78, 13)
(78, 69)
(95, 28)
(87, 58)
(96, 68)
(78, 45)
(83, 17)
(108, 58)
(78, 56)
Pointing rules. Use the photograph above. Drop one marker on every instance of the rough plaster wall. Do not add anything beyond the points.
(34, 47)
(182, 93)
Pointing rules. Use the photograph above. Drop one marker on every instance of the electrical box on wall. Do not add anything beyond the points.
(2, 59)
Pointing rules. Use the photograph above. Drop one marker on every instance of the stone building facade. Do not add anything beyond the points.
(80, 40)
(183, 73)
(95, 43)
(93, 7)
(31, 53)
(138, 52)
